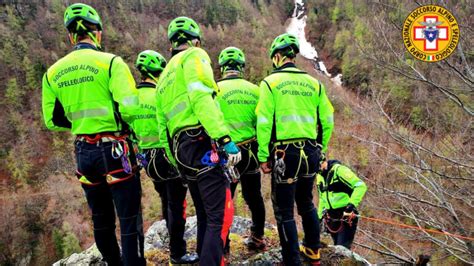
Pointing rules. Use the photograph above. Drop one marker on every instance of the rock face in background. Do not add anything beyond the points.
(157, 239)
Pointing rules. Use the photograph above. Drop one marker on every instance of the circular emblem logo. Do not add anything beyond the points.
(430, 33)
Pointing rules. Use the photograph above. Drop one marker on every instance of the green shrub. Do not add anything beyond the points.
(14, 94)
(65, 241)
(341, 42)
(416, 116)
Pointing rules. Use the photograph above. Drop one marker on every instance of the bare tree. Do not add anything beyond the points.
(425, 175)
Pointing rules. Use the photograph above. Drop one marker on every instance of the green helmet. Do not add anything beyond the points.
(283, 41)
(81, 11)
(150, 61)
(183, 24)
(230, 54)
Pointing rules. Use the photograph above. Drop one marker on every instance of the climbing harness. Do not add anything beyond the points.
(158, 166)
(120, 150)
(218, 157)
(351, 217)
(120, 147)
(252, 157)
(280, 167)
(346, 218)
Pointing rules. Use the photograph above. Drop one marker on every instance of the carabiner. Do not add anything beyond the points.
(117, 150)
(281, 152)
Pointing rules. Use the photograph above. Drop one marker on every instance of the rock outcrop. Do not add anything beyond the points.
(157, 239)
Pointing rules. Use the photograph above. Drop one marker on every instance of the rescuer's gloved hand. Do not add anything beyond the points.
(233, 153)
(231, 149)
(350, 210)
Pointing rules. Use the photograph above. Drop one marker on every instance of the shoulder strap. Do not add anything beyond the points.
(121, 125)
(110, 65)
(46, 77)
(274, 136)
(319, 128)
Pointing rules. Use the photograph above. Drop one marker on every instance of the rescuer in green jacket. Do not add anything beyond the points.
(156, 159)
(201, 145)
(93, 94)
(238, 99)
(340, 193)
(290, 107)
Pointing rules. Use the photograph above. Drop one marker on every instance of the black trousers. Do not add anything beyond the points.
(346, 235)
(296, 185)
(122, 195)
(161, 188)
(250, 180)
(172, 193)
(210, 192)
(176, 194)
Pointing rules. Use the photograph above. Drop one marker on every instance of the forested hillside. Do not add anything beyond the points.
(406, 126)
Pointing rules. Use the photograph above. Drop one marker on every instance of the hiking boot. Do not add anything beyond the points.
(187, 259)
(255, 243)
(311, 254)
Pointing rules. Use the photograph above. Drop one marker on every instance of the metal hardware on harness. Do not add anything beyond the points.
(120, 150)
(142, 160)
(232, 174)
(280, 167)
(216, 157)
(292, 141)
(346, 218)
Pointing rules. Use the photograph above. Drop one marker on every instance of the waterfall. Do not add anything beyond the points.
(297, 27)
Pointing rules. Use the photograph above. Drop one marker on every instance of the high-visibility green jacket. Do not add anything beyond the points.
(237, 100)
(185, 94)
(339, 187)
(145, 124)
(291, 105)
(89, 92)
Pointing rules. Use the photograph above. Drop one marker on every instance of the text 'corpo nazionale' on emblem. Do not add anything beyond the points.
(430, 33)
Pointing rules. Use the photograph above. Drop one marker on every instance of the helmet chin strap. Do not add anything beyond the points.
(226, 71)
(182, 35)
(278, 62)
(149, 75)
(152, 77)
(94, 39)
(233, 73)
(80, 26)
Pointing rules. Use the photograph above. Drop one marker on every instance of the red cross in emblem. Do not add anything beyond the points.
(419, 36)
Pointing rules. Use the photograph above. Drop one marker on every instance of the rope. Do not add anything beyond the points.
(329, 228)
(434, 231)
(346, 219)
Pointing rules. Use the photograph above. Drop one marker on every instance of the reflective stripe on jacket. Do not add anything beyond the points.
(89, 92)
(237, 100)
(145, 124)
(185, 94)
(291, 105)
